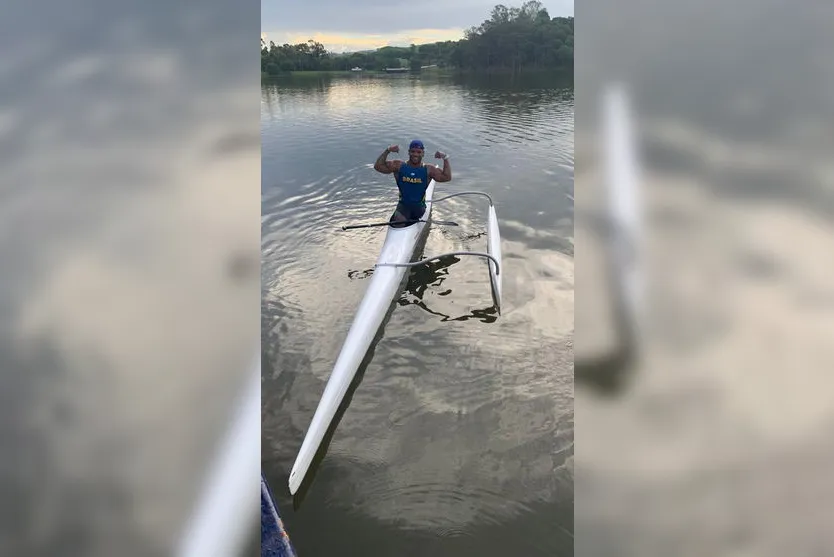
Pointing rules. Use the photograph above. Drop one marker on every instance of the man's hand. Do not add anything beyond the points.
(439, 155)
(394, 149)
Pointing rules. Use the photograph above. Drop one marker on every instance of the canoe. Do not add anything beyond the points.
(385, 285)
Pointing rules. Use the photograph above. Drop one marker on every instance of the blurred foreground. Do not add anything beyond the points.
(707, 429)
(129, 284)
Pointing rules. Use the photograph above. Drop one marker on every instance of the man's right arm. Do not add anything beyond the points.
(382, 163)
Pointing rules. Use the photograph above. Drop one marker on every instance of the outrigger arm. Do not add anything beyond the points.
(493, 248)
(441, 256)
(464, 193)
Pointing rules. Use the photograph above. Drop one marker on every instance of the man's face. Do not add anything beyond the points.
(416, 155)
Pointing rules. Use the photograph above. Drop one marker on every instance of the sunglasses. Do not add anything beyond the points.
(415, 151)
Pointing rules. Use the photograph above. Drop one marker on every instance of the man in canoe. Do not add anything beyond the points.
(412, 178)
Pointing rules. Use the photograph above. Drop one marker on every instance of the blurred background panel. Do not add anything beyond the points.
(129, 258)
(705, 409)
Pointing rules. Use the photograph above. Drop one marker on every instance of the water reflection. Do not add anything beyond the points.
(432, 275)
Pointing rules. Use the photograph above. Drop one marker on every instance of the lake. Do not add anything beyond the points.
(458, 437)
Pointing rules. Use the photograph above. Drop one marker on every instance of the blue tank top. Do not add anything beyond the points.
(412, 183)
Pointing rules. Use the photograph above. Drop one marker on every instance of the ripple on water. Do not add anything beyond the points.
(458, 477)
(461, 421)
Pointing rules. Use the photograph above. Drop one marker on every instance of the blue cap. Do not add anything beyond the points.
(416, 144)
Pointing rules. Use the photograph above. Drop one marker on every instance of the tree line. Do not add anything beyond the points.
(512, 39)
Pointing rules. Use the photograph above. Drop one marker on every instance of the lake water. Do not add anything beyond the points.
(458, 438)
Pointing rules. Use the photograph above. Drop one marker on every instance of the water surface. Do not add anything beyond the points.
(458, 439)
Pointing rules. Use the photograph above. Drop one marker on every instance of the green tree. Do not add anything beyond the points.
(513, 39)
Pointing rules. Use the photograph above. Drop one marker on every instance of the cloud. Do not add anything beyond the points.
(338, 42)
(396, 22)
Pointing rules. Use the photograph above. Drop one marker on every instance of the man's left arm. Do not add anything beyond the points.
(445, 174)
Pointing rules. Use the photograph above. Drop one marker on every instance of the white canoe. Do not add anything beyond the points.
(622, 178)
(385, 285)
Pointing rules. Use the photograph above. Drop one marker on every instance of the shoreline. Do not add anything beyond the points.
(565, 71)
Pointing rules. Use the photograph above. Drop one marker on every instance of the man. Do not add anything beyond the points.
(412, 178)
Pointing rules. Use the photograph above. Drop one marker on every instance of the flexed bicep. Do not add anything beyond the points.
(441, 175)
(383, 165)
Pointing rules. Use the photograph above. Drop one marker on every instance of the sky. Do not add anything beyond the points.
(370, 24)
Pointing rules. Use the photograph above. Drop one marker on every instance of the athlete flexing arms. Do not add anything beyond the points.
(412, 178)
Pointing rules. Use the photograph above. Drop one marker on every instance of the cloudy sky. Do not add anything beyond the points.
(369, 24)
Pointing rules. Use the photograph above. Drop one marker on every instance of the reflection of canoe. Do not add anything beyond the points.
(385, 285)
(274, 539)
